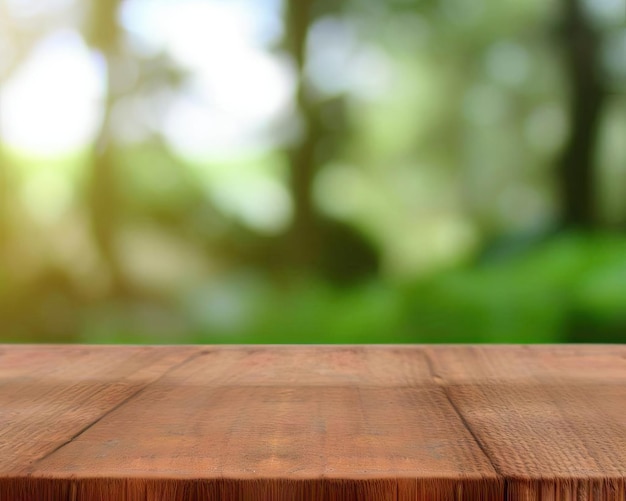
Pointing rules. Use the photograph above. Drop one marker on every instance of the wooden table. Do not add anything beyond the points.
(312, 422)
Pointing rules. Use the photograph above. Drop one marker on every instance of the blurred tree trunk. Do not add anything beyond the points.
(315, 243)
(303, 238)
(581, 45)
(103, 34)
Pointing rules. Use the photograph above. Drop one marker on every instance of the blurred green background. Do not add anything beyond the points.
(177, 171)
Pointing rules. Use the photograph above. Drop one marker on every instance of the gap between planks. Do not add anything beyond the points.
(117, 406)
(441, 383)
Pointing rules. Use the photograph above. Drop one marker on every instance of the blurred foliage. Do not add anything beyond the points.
(312, 171)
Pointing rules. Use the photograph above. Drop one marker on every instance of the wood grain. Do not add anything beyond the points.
(312, 422)
(552, 419)
(50, 394)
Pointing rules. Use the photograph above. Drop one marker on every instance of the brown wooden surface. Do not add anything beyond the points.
(313, 422)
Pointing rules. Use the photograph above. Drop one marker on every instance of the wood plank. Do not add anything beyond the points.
(276, 423)
(551, 418)
(48, 394)
(288, 422)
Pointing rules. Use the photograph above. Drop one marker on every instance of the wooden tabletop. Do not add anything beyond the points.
(312, 422)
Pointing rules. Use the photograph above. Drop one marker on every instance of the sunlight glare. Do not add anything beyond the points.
(237, 86)
(52, 104)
